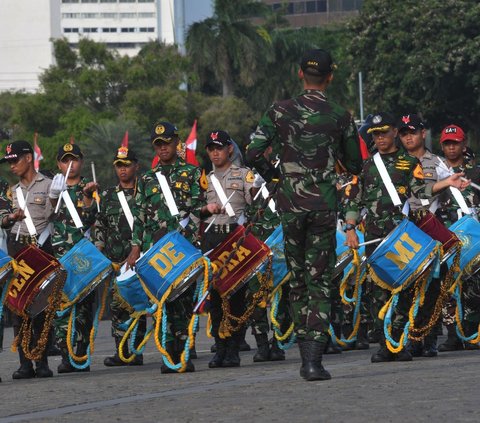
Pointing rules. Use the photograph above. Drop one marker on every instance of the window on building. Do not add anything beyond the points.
(128, 29)
(128, 15)
(70, 1)
(146, 1)
(89, 15)
(289, 8)
(146, 15)
(299, 8)
(90, 30)
(109, 29)
(147, 29)
(349, 5)
(70, 29)
(310, 6)
(70, 15)
(108, 1)
(127, 1)
(321, 5)
(108, 15)
(89, 1)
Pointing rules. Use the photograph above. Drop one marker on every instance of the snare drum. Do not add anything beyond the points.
(170, 260)
(344, 253)
(279, 265)
(468, 231)
(245, 262)
(402, 256)
(131, 290)
(430, 224)
(86, 268)
(34, 282)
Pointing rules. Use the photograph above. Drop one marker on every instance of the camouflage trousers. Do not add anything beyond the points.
(471, 299)
(179, 314)
(83, 323)
(120, 313)
(310, 254)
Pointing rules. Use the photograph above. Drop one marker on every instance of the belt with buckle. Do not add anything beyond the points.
(224, 229)
(27, 239)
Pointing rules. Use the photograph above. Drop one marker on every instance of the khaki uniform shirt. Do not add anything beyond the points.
(429, 163)
(234, 179)
(38, 204)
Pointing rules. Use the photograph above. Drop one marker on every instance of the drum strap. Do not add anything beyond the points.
(28, 218)
(387, 181)
(125, 208)
(444, 172)
(167, 193)
(72, 210)
(45, 234)
(222, 196)
(265, 195)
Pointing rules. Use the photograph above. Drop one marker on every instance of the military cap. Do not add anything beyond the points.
(381, 122)
(317, 62)
(452, 133)
(218, 137)
(69, 149)
(412, 122)
(16, 149)
(164, 131)
(125, 156)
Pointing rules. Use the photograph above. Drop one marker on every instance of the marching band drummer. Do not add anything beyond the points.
(153, 220)
(35, 188)
(237, 180)
(392, 166)
(112, 236)
(453, 143)
(412, 134)
(65, 236)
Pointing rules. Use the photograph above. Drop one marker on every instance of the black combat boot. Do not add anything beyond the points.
(362, 337)
(232, 356)
(170, 347)
(263, 348)
(242, 344)
(346, 331)
(375, 335)
(430, 345)
(221, 350)
(383, 354)
(311, 353)
(42, 369)
(276, 353)
(452, 343)
(331, 347)
(115, 360)
(415, 348)
(25, 371)
(65, 366)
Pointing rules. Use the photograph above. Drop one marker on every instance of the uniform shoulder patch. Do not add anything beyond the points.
(418, 171)
(203, 180)
(249, 177)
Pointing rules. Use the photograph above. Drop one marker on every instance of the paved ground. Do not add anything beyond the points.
(444, 388)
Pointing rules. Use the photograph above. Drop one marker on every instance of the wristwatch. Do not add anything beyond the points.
(349, 227)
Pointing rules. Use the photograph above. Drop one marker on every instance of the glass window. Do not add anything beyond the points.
(147, 29)
(321, 5)
(146, 1)
(108, 1)
(146, 15)
(109, 29)
(289, 9)
(310, 6)
(90, 29)
(127, 1)
(299, 7)
(108, 15)
(128, 15)
(128, 29)
(70, 1)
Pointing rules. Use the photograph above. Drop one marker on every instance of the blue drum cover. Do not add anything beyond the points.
(165, 262)
(406, 249)
(468, 231)
(342, 248)
(279, 264)
(132, 292)
(84, 264)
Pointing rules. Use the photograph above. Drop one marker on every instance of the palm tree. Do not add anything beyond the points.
(229, 44)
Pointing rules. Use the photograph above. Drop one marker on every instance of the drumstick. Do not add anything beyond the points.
(213, 220)
(259, 191)
(20, 223)
(95, 180)
(373, 241)
(60, 196)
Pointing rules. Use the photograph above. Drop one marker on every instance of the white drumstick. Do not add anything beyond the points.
(20, 223)
(213, 220)
(60, 196)
(373, 241)
(95, 180)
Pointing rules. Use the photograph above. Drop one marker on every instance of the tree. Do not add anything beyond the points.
(420, 57)
(229, 44)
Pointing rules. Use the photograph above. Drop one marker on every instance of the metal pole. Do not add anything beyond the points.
(360, 89)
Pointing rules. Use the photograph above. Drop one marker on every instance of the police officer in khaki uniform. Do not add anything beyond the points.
(239, 181)
(35, 188)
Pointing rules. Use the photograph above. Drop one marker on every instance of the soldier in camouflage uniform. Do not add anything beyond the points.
(383, 216)
(311, 134)
(112, 235)
(453, 143)
(153, 220)
(65, 236)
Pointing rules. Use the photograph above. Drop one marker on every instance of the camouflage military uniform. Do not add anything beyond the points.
(65, 236)
(448, 212)
(311, 133)
(112, 236)
(152, 220)
(406, 174)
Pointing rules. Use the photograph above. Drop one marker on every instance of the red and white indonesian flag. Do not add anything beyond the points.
(191, 146)
(37, 153)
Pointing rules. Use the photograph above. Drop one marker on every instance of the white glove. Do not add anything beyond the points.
(258, 181)
(58, 186)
